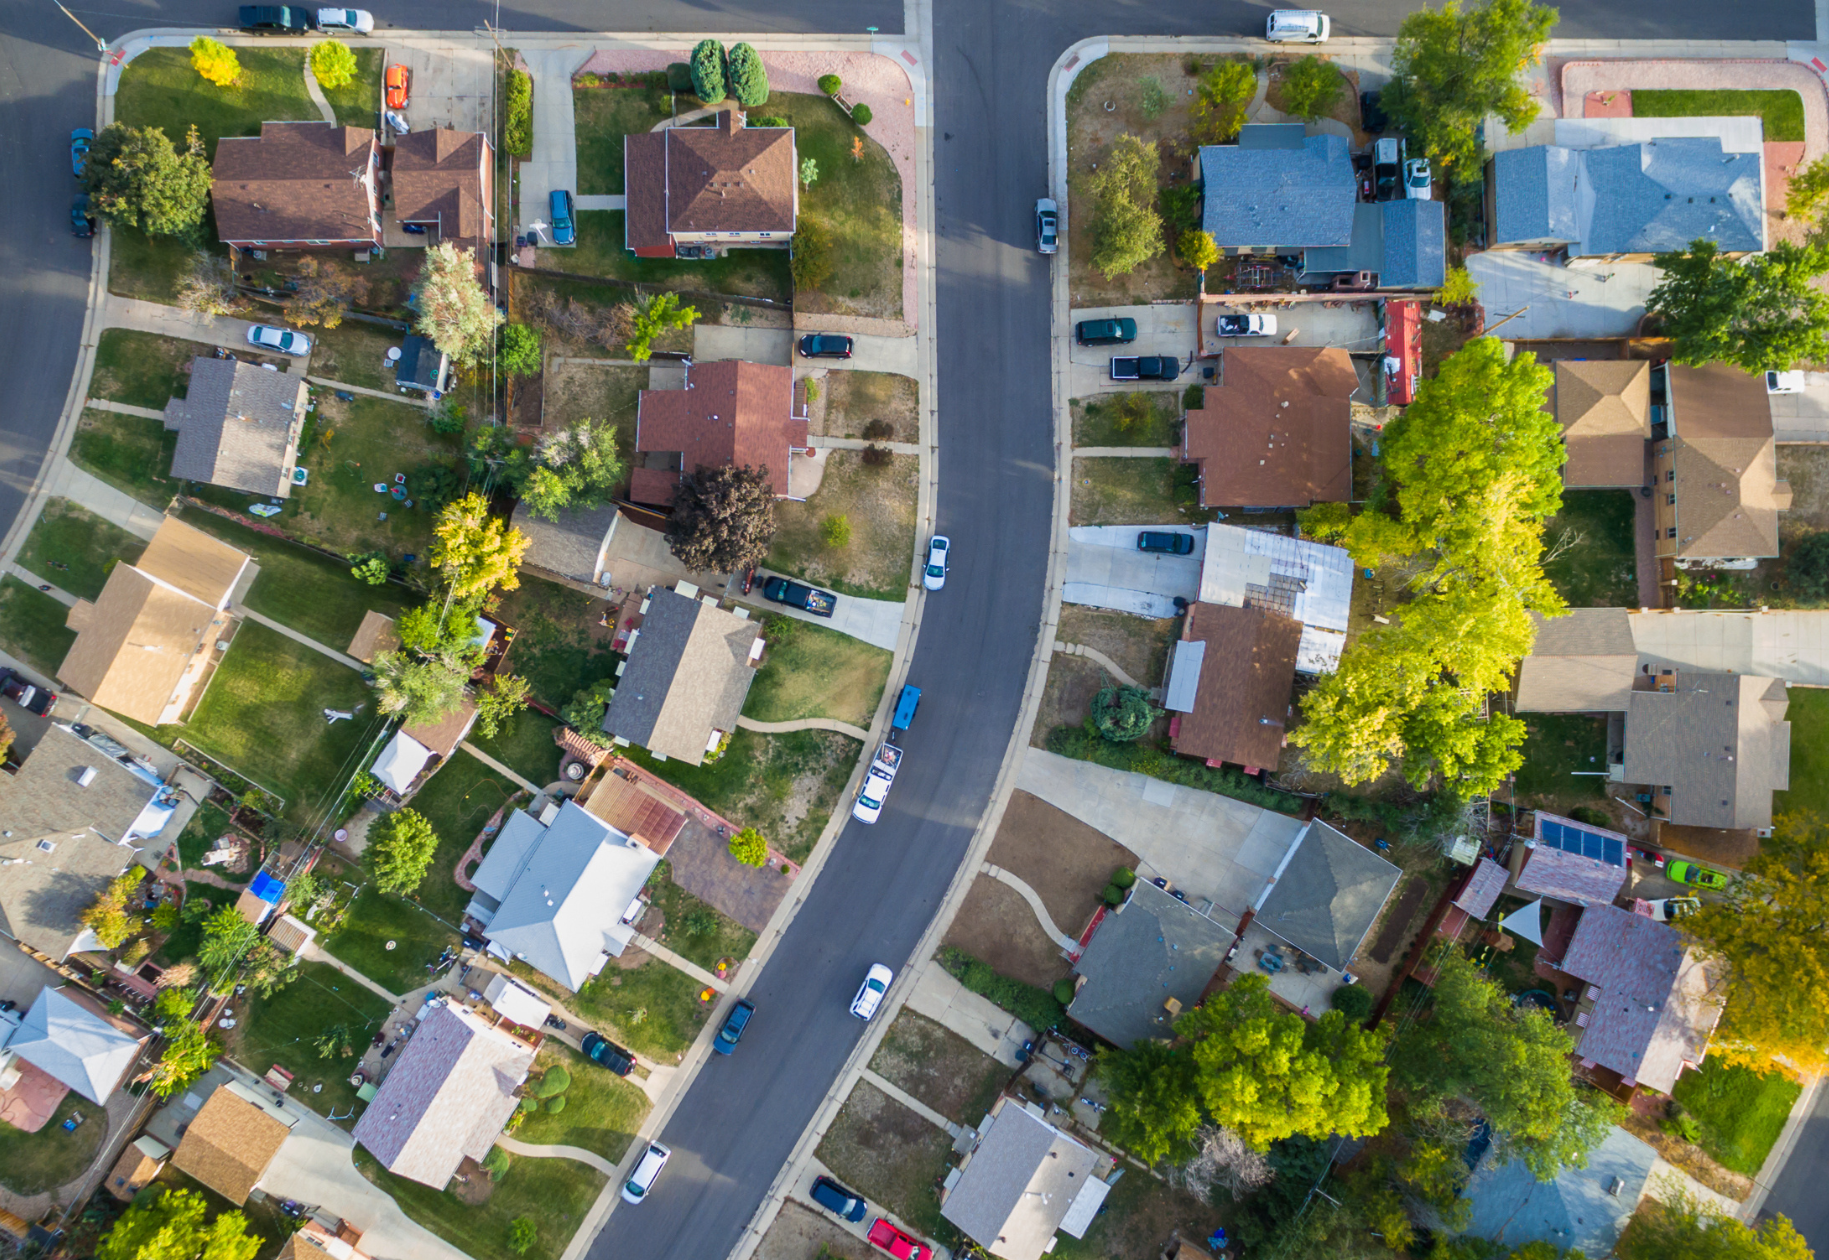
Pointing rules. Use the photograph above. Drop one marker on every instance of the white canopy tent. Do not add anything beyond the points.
(403, 758)
(1526, 921)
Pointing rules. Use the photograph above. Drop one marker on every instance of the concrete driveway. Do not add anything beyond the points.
(1351, 327)
(23, 977)
(1562, 301)
(1803, 417)
(448, 85)
(1168, 329)
(870, 353)
(711, 342)
(1105, 570)
(554, 163)
(875, 621)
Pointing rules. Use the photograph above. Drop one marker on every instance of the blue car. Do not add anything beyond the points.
(80, 222)
(734, 1024)
(565, 232)
(80, 140)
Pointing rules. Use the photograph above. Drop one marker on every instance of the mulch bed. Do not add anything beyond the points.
(1397, 923)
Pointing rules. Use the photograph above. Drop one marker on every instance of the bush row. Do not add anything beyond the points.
(1084, 745)
(1035, 1007)
(517, 132)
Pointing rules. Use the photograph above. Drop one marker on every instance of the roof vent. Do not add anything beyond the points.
(86, 777)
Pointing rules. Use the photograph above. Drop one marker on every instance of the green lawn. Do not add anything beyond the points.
(554, 1193)
(525, 745)
(283, 1028)
(652, 1009)
(200, 834)
(354, 353)
(31, 1163)
(1124, 491)
(141, 266)
(602, 1110)
(553, 648)
(349, 449)
(1555, 746)
(1599, 568)
(457, 801)
(358, 102)
(1782, 110)
(159, 88)
(720, 938)
(32, 626)
(600, 252)
(142, 369)
(263, 715)
(810, 671)
(602, 116)
(1809, 718)
(1099, 421)
(85, 545)
(129, 453)
(1741, 1111)
(377, 921)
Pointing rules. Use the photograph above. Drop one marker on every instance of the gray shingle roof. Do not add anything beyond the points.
(687, 676)
(1328, 895)
(1019, 1183)
(1415, 245)
(571, 546)
(238, 427)
(1577, 1209)
(1283, 197)
(1154, 949)
(1720, 742)
(1534, 195)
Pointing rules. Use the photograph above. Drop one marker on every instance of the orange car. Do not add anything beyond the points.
(396, 87)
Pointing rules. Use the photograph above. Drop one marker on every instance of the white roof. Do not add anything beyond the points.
(1184, 675)
(75, 1045)
(515, 1001)
(1317, 579)
(403, 758)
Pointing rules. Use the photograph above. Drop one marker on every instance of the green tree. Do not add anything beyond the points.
(861, 115)
(830, 84)
(370, 567)
(432, 628)
(400, 849)
(107, 915)
(216, 62)
(1325, 522)
(189, 1053)
(1808, 191)
(335, 1042)
(656, 313)
(520, 350)
(136, 178)
(522, 1232)
(749, 848)
(1762, 313)
(163, 1224)
(578, 467)
(332, 64)
(708, 74)
(517, 124)
(1124, 714)
(499, 702)
(1807, 564)
(809, 172)
(426, 689)
(1154, 1109)
(1220, 98)
(1311, 86)
(303, 891)
(1458, 288)
(227, 937)
(723, 519)
(476, 551)
(1680, 1226)
(748, 79)
(455, 311)
(1197, 249)
(810, 260)
(172, 1004)
(1454, 66)
(584, 711)
(1126, 229)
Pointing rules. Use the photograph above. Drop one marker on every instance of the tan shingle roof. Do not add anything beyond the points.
(298, 182)
(238, 427)
(1277, 432)
(229, 1145)
(1727, 487)
(1604, 408)
(1720, 742)
(1581, 663)
(687, 676)
(444, 735)
(375, 635)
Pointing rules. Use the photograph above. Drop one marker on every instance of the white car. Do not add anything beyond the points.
(1784, 382)
(1297, 26)
(870, 996)
(1245, 325)
(933, 577)
(870, 797)
(1417, 180)
(283, 340)
(647, 1168)
(361, 21)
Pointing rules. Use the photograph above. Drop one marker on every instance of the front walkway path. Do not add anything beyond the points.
(915, 1105)
(1029, 895)
(941, 998)
(803, 724)
(315, 91)
(498, 767)
(859, 444)
(125, 409)
(590, 1158)
(1125, 452)
(1103, 661)
(650, 946)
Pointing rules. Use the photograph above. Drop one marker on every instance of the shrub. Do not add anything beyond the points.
(217, 63)
(1353, 1001)
(517, 130)
(861, 115)
(136, 952)
(1807, 565)
(1593, 817)
(449, 417)
(556, 1080)
(520, 350)
(875, 430)
(708, 73)
(1123, 714)
(1681, 1124)
(370, 567)
(1151, 99)
(835, 530)
(748, 77)
(1458, 288)
(771, 120)
(1123, 877)
(1220, 99)
(1083, 744)
(1063, 991)
(522, 1233)
(876, 456)
(1112, 896)
(1035, 1007)
(1193, 397)
(1325, 522)
(1134, 411)
(1310, 87)
(700, 921)
(1197, 249)
(165, 918)
(811, 263)
(555, 1104)
(495, 1163)
(1181, 207)
(748, 845)
(679, 77)
(332, 64)
(830, 84)
(588, 81)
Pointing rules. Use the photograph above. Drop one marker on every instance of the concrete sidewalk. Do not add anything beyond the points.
(987, 1026)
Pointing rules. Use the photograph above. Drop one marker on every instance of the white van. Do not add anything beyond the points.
(870, 995)
(1297, 26)
(655, 1158)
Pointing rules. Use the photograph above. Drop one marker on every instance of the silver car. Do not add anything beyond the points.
(284, 340)
(1047, 225)
(933, 577)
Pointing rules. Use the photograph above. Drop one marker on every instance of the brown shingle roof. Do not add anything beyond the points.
(238, 427)
(1277, 430)
(1727, 487)
(442, 178)
(730, 412)
(229, 1145)
(1720, 742)
(1604, 408)
(636, 810)
(731, 178)
(375, 635)
(644, 166)
(296, 182)
(444, 735)
(1242, 706)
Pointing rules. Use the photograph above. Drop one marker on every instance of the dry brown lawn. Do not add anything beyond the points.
(853, 399)
(880, 504)
(940, 1068)
(1065, 861)
(806, 1233)
(1067, 699)
(1139, 645)
(577, 391)
(996, 925)
(886, 1152)
(1121, 490)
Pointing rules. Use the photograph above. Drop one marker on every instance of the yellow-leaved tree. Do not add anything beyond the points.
(216, 62)
(476, 551)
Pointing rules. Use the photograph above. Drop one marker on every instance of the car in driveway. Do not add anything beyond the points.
(399, 78)
(275, 19)
(28, 696)
(870, 994)
(1698, 876)
(82, 223)
(939, 548)
(1297, 26)
(825, 346)
(810, 599)
(1165, 543)
(897, 1243)
(1047, 225)
(734, 1024)
(1246, 325)
(1105, 332)
(80, 140)
(647, 1168)
(565, 231)
(1417, 181)
(1144, 368)
(283, 340)
(361, 21)
(600, 1050)
(1666, 909)
(837, 1200)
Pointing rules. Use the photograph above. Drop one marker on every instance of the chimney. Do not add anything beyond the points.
(730, 122)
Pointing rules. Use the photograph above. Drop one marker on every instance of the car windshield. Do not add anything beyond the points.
(636, 1188)
(935, 570)
(875, 986)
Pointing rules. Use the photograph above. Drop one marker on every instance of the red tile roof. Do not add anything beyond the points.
(730, 412)
(297, 183)
(1277, 432)
(1483, 886)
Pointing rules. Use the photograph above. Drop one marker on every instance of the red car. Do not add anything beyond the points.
(396, 87)
(896, 1243)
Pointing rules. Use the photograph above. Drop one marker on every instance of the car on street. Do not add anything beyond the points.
(906, 705)
(732, 1031)
(837, 1200)
(1699, 876)
(1164, 543)
(1417, 181)
(361, 21)
(1047, 225)
(781, 590)
(398, 80)
(1665, 909)
(1106, 332)
(275, 19)
(870, 994)
(1145, 368)
(933, 577)
(31, 698)
(825, 346)
(1297, 26)
(647, 1168)
(82, 223)
(1246, 326)
(565, 232)
(898, 1244)
(600, 1050)
(283, 340)
(878, 779)
(80, 140)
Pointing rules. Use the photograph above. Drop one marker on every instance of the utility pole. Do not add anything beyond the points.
(101, 45)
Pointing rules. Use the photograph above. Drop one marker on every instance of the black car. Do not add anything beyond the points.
(825, 346)
(734, 1024)
(1145, 368)
(1105, 332)
(276, 19)
(32, 699)
(797, 595)
(838, 1200)
(1165, 543)
(81, 224)
(606, 1053)
(1371, 113)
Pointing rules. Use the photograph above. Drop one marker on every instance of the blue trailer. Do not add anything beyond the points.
(905, 707)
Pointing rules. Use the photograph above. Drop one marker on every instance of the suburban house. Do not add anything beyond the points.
(444, 181)
(149, 643)
(314, 1242)
(69, 1037)
(553, 890)
(298, 185)
(230, 1143)
(1308, 582)
(238, 426)
(1563, 860)
(572, 550)
(1604, 408)
(1278, 189)
(1276, 430)
(730, 412)
(447, 1098)
(1148, 960)
(139, 1163)
(687, 674)
(421, 366)
(1229, 684)
(1022, 1180)
(1326, 896)
(1584, 662)
(73, 815)
(1404, 243)
(417, 745)
(376, 634)
(695, 191)
(1583, 1209)
(1716, 493)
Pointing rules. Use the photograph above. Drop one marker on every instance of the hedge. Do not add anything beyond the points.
(1034, 1007)
(1142, 758)
(517, 133)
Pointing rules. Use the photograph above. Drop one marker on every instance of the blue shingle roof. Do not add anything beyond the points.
(1415, 240)
(1279, 196)
(1577, 1209)
(1534, 195)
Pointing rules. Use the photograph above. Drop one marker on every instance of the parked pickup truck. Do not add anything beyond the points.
(795, 595)
(870, 796)
(1149, 368)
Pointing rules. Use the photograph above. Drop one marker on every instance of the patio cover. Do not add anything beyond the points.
(1526, 922)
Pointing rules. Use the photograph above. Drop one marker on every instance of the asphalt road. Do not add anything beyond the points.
(881, 885)
(1798, 1191)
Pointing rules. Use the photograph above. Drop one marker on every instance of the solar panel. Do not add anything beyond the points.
(1592, 845)
(1581, 842)
(1552, 832)
(1616, 853)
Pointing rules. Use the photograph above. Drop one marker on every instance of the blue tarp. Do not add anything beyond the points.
(267, 888)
